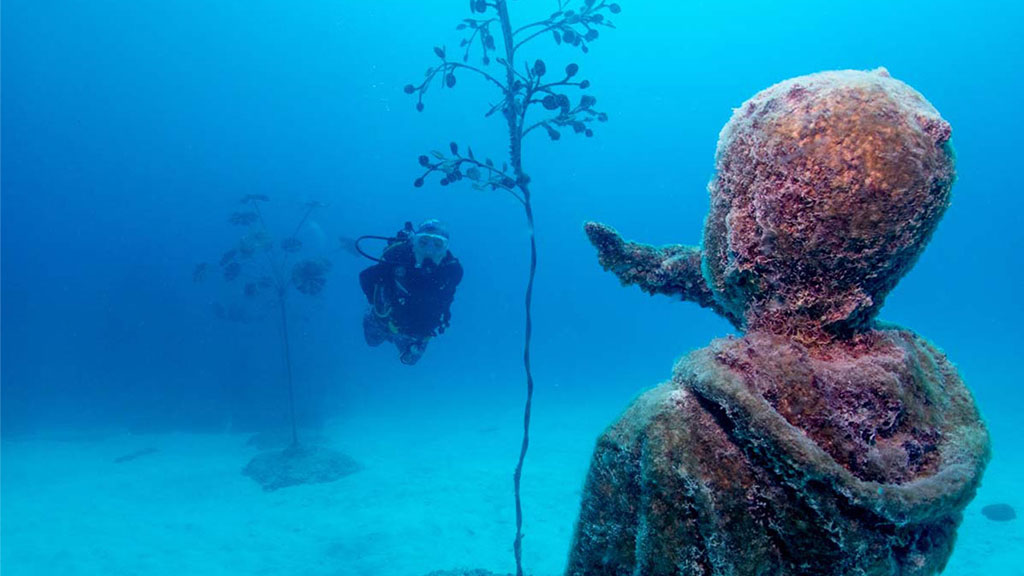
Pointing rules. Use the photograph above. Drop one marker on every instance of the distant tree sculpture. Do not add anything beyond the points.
(265, 268)
(528, 89)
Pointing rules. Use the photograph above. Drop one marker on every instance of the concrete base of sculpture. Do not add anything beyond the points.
(299, 464)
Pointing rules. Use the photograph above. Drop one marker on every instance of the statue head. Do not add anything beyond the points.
(827, 189)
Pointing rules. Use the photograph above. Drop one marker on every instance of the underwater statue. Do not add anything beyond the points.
(821, 441)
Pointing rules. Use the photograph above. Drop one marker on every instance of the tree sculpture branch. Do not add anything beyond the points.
(520, 93)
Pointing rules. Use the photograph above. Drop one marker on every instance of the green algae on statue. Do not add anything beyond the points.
(820, 442)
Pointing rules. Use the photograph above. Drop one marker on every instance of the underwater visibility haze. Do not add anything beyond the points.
(323, 287)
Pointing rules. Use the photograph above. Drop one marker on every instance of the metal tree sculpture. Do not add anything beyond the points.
(264, 267)
(521, 91)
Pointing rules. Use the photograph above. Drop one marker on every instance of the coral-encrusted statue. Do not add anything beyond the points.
(821, 442)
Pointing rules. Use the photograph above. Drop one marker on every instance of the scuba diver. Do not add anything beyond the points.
(410, 289)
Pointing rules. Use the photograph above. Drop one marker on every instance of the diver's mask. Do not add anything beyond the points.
(427, 246)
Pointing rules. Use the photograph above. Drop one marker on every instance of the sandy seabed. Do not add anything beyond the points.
(434, 493)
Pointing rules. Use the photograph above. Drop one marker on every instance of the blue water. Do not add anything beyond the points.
(131, 128)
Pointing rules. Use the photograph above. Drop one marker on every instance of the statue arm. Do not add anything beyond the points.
(673, 270)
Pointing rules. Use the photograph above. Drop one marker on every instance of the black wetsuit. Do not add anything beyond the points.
(419, 299)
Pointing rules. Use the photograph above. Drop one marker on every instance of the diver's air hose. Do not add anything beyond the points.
(369, 237)
(378, 299)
